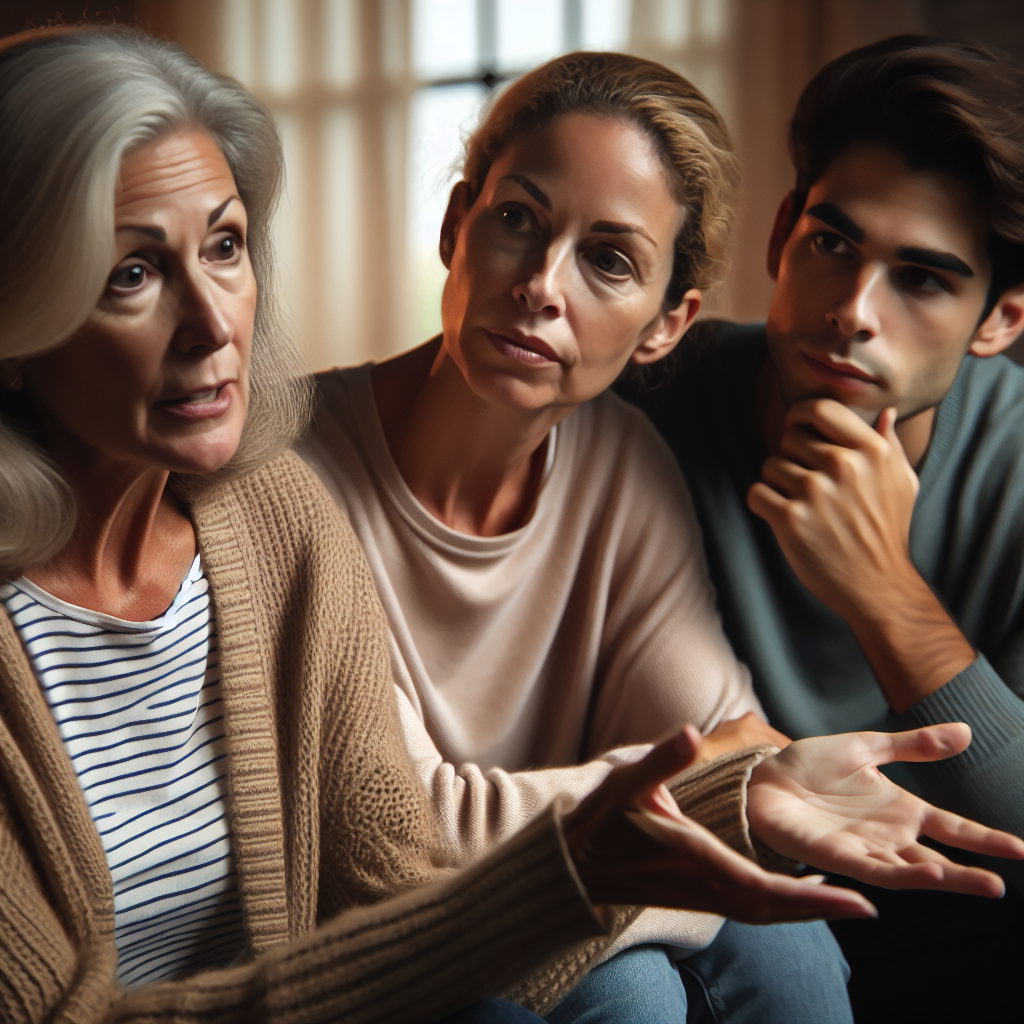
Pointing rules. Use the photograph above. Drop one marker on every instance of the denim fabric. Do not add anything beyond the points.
(776, 974)
(493, 1011)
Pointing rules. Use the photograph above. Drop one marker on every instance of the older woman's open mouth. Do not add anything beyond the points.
(523, 347)
(198, 405)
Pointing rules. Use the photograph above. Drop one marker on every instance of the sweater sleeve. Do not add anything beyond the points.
(665, 659)
(986, 781)
(478, 809)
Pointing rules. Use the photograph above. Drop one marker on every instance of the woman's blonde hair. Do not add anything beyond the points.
(73, 102)
(687, 131)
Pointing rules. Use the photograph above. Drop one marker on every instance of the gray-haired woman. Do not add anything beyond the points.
(206, 808)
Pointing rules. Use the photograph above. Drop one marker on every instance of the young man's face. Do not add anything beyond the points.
(880, 285)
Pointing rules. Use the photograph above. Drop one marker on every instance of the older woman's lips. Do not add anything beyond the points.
(841, 375)
(199, 405)
(529, 350)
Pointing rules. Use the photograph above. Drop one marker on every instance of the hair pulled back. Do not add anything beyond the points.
(687, 131)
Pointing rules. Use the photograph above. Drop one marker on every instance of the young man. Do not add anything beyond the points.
(857, 465)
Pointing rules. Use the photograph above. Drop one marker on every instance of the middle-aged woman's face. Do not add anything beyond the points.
(158, 374)
(558, 270)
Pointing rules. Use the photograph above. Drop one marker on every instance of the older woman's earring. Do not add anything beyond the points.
(15, 383)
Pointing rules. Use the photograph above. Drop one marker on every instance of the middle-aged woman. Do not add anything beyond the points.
(206, 806)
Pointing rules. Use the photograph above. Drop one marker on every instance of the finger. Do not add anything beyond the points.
(785, 476)
(953, 830)
(664, 760)
(832, 420)
(931, 743)
(767, 503)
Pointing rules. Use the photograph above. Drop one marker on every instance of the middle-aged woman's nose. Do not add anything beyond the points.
(203, 319)
(543, 291)
(858, 313)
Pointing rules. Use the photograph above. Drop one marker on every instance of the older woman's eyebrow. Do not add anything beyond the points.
(611, 227)
(219, 212)
(529, 186)
(158, 233)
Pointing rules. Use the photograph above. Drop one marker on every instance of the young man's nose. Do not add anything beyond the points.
(858, 312)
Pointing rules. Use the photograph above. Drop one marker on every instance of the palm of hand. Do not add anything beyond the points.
(823, 801)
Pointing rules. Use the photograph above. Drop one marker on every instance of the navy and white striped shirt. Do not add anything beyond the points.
(138, 706)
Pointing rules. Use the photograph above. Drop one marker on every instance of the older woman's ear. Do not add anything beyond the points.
(459, 203)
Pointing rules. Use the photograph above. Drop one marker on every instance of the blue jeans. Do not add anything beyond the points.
(750, 974)
(493, 1011)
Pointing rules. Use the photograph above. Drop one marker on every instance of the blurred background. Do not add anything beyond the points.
(373, 99)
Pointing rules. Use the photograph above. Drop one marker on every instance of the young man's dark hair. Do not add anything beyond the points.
(942, 105)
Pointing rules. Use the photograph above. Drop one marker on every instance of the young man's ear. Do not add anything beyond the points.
(781, 230)
(668, 330)
(1002, 327)
(458, 206)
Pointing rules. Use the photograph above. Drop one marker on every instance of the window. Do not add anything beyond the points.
(373, 100)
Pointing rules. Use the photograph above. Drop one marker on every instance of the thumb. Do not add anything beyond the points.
(886, 426)
(662, 762)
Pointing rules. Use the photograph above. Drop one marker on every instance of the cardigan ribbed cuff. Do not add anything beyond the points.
(714, 794)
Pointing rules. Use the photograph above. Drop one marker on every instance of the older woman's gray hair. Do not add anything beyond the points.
(72, 104)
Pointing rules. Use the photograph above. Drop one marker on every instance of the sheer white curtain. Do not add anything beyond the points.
(374, 97)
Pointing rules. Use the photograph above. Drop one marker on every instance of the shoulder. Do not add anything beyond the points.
(281, 513)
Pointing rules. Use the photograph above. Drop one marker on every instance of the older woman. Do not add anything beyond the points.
(206, 807)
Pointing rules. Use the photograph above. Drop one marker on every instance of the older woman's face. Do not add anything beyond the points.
(559, 268)
(158, 374)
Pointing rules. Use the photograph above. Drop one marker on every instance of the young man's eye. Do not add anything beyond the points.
(610, 262)
(834, 245)
(919, 279)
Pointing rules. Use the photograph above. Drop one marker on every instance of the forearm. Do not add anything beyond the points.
(418, 956)
(909, 639)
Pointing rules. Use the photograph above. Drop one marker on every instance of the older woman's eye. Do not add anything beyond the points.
(610, 262)
(225, 249)
(128, 279)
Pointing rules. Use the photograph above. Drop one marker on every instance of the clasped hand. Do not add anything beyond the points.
(839, 497)
(821, 801)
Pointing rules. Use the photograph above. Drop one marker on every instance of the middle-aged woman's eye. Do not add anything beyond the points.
(514, 219)
(610, 262)
(129, 278)
(226, 249)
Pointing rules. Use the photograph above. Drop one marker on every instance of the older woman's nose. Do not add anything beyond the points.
(204, 319)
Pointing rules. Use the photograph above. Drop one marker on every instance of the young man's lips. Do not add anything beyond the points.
(525, 348)
(841, 374)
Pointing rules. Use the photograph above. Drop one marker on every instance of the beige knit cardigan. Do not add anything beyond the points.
(330, 828)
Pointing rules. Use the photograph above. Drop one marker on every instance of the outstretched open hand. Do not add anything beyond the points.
(631, 844)
(823, 801)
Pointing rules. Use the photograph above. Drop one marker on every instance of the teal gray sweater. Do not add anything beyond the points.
(966, 539)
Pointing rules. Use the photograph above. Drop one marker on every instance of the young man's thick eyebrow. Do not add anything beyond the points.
(218, 213)
(835, 218)
(158, 233)
(529, 186)
(613, 228)
(932, 258)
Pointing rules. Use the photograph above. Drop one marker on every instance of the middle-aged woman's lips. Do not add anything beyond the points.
(199, 405)
(523, 347)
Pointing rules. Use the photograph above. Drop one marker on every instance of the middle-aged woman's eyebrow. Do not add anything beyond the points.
(831, 215)
(219, 212)
(614, 228)
(529, 186)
